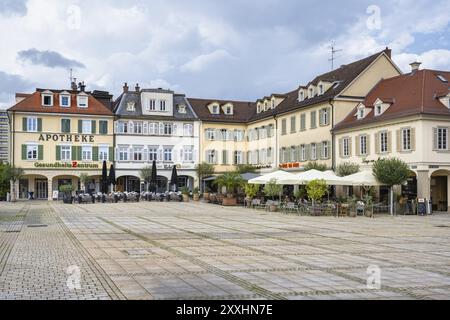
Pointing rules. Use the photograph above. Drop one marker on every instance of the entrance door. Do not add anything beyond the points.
(133, 184)
(23, 189)
(41, 189)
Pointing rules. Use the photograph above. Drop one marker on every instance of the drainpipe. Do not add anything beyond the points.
(333, 158)
(276, 142)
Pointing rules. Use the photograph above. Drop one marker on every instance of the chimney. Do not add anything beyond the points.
(73, 84)
(388, 52)
(415, 66)
(125, 88)
(82, 86)
(138, 89)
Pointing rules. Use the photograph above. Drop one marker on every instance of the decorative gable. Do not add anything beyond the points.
(361, 111)
(380, 106)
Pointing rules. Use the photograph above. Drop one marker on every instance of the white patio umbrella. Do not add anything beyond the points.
(280, 176)
(329, 177)
(362, 178)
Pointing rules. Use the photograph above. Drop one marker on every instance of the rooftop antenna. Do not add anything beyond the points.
(333, 52)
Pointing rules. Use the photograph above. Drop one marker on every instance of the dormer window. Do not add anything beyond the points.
(64, 100)
(258, 108)
(273, 104)
(301, 95)
(82, 101)
(378, 109)
(47, 99)
(442, 78)
(311, 92)
(131, 106)
(181, 108)
(321, 89)
(162, 105)
(214, 108)
(229, 110)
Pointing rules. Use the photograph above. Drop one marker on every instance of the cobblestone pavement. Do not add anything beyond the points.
(201, 251)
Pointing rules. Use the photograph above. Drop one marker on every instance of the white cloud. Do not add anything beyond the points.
(433, 59)
(201, 62)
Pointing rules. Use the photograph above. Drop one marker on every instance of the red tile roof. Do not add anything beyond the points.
(242, 110)
(408, 94)
(33, 103)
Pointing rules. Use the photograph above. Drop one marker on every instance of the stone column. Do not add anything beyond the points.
(423, 184)
(50, 189)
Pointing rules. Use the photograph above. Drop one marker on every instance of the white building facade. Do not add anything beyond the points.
(155, 125)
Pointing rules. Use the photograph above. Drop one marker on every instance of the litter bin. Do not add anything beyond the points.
(429, 207)
(421, 207)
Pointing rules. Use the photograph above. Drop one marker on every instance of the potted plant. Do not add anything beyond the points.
(272, 189)
(206, 193)
(67, 193)
(84, 178)
(251, 191)
(316, 190)
(231, 181)
(196, 194)
(185, 193)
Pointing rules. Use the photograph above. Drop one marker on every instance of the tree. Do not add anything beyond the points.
(229, 180)
(84, 178)
(204, 170)
(12, 174)
(391, 172)
(315, 165)
(245, 168)
(347, 168)
(272, 189)
(4, 183)
(251, 190)
(316, 190)
(146, 174)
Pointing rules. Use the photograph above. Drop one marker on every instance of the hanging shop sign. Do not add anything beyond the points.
(67, 165)
(66, 138)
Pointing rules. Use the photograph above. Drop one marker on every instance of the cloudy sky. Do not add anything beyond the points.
(231, 49)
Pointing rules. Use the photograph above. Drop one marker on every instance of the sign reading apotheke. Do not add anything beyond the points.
(67, 165)
(66, 137)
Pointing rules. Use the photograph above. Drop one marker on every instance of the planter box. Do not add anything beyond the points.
(185, 198)
(229, 202)
(196, 197)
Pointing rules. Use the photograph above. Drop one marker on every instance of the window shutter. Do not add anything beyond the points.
(79, 155)
(94, 153)
(448, 135)
(308, 152)
(80, 126)
(74, 153)
(111, 154)
(341, 148)
(58, 153)
(320, 150)
(435, 138)
(368, 144)
(145, 128)
(94, 129)
(24, 151)
(399, 140)
(24, 124)
(329, 116)
(39, 125)
(40, 152)
(389, 141)
(358, 145)
(116, 127)
(329, 150)
(413, 139)
(377, 143)
(321, 122)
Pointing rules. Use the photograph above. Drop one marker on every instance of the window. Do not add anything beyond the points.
(293, 122)
(215, 109)
(229, 110)
(167, 153)
(211, 156)
(86, 126)
(103, 153)
(224, 157)
(162, 105)
(151, 106)
(82, 101)
(123, 153)
(32, 152)
(361, 113)
(210, 134)
(406, 139)
(188, 130)
(311, 92)
(262, 133)
(324, 117)
(103, 127)
(283, 127)
(346, 147)
(363, 145)
(325, 150)
(153, 128)
(86, 153)
(238, 135)
(32, 124)
(131, 106)
(181, 108)
(122, 127)
(303, 122)
(152, 153)
(269, 155)
(378, 109)
(313, 119)
(383, 142)
(441, 77)
(47, 100)
(321, 89)
(313, 151)
(168, 129)
(224, 134)
(138, 127)
(188, 153)
(301, 95)
(66, 153)
(64, 100)
(137, 153)
(442, 138)
(238, 159)
(302, 152)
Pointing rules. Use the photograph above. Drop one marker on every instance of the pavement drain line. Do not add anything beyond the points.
(109, 286)
(309, 266)
(234, 279)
